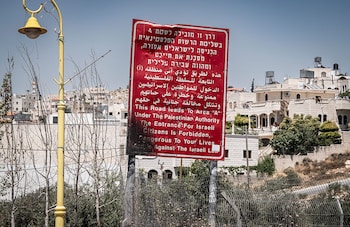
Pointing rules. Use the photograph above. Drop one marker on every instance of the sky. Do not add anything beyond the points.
(283, 36)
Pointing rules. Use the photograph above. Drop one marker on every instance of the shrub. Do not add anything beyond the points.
(266, 165)
(329, 134)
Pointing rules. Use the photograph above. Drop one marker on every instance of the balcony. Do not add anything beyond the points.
(268, 106)
(342, 104)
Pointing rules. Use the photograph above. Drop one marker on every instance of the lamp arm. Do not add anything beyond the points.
(29, 10)
(59, 16)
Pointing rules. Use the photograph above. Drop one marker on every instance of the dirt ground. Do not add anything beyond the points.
(332, 168)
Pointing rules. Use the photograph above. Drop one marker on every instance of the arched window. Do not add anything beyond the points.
(253, 121)
(167, 175)
(298, 96)
(152, 174)
(265, 141)
(340, 119)
(263, 120)
(325, 117)
(344, 88)
(345, 120)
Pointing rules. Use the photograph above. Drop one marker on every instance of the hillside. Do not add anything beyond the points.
(332, 168)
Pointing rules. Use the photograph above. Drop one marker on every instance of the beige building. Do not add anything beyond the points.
(316, 92)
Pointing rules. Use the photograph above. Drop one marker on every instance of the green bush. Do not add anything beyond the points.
(329, 134)
(266, 166)
(328, 126)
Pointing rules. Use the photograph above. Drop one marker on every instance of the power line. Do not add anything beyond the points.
(86, 67)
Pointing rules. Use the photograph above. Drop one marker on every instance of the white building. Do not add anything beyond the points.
(29, 151)
(91, 144)
(235, 156)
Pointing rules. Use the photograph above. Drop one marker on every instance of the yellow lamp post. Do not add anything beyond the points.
(33, 29)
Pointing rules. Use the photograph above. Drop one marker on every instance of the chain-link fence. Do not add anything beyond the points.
(280, 209)
(185, 204)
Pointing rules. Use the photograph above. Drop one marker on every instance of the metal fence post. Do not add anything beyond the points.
(129, 193)
(340, 212)
(212, 193)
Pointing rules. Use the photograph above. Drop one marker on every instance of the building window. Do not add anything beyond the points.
(253, 121)
(265, 141)
(152, 174)
(344, 88)
(340, 119)
(323, 117)
(264, 122)
(266, 97)
(226, 153)
(55, 120)
(167, 175)
(345, 120)
(298, 96)
(245, 154)
(230, 106)
(318, 99)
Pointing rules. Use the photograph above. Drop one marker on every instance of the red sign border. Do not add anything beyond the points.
(130, 108)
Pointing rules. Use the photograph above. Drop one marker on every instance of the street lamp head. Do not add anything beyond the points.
(32, 29)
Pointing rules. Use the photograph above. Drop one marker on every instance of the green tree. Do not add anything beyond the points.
(345, 94)
(228, 128)
(252, 86)
(329, 134)
(296, 136)
(200, 173)
(240, 123)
